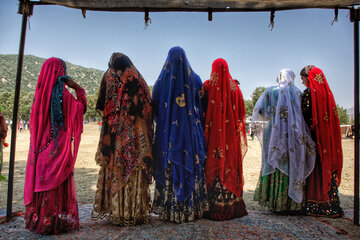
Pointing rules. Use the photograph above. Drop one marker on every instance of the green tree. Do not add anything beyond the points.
(343, 116)
(249, 107)
(7, 102)
(91, 113)
(256, 94)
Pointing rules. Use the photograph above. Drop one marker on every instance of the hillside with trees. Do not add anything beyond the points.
(88, 78)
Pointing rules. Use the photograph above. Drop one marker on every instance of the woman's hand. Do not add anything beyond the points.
(71, 83)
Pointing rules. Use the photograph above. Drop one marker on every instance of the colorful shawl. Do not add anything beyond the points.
(285, 138)
(325, 122)
(225, 129)
(179, 136)
(124, 102)
(47, 167)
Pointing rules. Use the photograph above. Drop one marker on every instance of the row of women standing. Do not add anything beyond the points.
(195, 155)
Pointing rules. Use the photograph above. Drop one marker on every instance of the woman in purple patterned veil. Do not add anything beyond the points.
(288, 152)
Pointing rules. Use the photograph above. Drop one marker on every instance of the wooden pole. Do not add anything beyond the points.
(25, 8)
(354, 17)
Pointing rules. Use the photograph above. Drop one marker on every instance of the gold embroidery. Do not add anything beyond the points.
(213, 79)
(326, 118)
(218, 153)
(197, 159)
(284, 158)
(181, 100)
(298, 184)
(169, 146)
(176, 123)
(319, 78)
(232, 85)
(189, 71)
(201, 92)
(187, 86)
(283, 112)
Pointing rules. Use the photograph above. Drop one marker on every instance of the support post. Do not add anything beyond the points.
(25, 8)
(354, 17)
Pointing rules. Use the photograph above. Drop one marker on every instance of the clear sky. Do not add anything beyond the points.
(255, 54)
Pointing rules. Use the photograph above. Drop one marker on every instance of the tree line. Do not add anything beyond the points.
(26, 99)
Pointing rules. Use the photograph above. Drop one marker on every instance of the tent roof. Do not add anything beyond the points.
(201, 5)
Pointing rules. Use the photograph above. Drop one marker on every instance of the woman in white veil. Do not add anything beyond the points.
(288, 152)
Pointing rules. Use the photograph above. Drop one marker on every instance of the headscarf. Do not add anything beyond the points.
(325, 121)
(124, 102)
(48, 167)
(285, 138)
(225, 129)
(179, 136)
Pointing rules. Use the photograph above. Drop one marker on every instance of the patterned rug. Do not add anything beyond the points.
(257, 225)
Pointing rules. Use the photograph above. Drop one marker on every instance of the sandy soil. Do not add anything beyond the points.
(86, 170)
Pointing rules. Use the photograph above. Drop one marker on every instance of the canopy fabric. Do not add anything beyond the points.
(201, 5)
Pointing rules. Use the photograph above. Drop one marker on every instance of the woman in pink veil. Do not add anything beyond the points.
(56, 124)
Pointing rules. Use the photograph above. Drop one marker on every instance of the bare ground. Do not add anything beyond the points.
(86, 170)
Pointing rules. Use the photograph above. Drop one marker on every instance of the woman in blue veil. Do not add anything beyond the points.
(179, 147)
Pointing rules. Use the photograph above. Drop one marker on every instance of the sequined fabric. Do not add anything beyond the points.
(170, 209)
(329, 208)
(272, 192)
(53, 211)
(129, 206)
(224, 205)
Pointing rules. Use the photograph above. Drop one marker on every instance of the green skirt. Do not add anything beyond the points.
(272, 192)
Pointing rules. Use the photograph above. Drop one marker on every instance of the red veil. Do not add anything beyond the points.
(225, 129)
(325, 122)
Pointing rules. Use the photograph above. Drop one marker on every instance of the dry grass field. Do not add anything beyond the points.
(86, 171)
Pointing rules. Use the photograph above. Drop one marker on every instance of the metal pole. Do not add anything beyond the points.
(25, 9)
(355, 19)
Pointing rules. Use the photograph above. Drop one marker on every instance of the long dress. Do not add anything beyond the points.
(124, 150)
(179, 149)
(56, 124)
(288, 152)
(226, 143)
(320, 113)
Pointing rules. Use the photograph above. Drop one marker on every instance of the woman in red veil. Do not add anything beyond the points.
(320, 113)
(226, 143)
